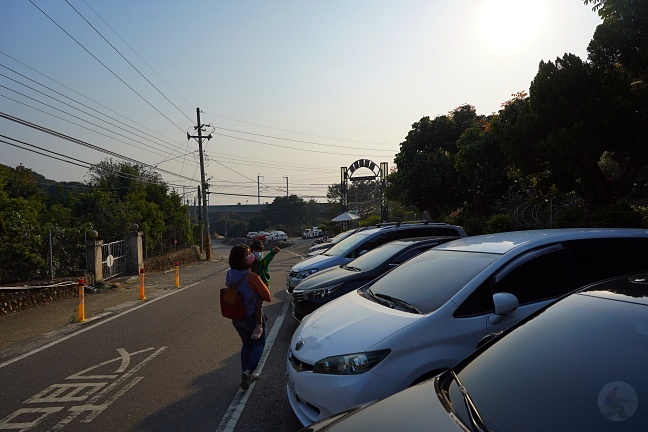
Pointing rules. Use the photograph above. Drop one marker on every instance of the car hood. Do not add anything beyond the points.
(327, 277)
(349, 324)
(415, 409)
(317, 261)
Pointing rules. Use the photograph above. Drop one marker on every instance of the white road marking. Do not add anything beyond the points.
(85, 396)
(235, 409)
(90, 327)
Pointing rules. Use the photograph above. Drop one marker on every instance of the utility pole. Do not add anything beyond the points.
(286, 185)
(205, 186)
(259, 177)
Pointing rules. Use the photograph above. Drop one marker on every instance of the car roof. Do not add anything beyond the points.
(500, 243)
(389, 226)
(416, 240)
(628, 288)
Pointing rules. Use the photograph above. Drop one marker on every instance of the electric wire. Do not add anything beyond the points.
(127, 61)
(72, 115)
(86, 144)
(287, 147)
(78, 93)
(291, 131)
(300, 141)
(66, 120)
(80, 103)
(105, 66)
(81, 163)
(138, 55)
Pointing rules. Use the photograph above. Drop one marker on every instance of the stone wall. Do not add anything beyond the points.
(12, 301)
(33, 294)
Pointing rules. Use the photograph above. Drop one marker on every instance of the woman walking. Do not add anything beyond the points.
(251, 287)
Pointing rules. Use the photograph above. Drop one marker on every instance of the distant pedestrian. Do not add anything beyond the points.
(251, 287)
(260, 267)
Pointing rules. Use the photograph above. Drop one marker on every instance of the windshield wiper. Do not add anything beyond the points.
(475, 419)
(375, 298)
(355, 269)
(399, 302)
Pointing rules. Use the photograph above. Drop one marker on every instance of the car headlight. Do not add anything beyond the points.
(321, 292)
(305, 273)
(350, 364)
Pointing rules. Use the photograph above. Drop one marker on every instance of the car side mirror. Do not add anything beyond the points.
(505, 303)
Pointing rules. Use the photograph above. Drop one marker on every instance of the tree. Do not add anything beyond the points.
(21, 240)
(622, 38)
(290, 211)
(577, 114)
(426, 175)
(483, 164)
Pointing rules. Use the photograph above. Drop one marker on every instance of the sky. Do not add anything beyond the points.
(290, 91)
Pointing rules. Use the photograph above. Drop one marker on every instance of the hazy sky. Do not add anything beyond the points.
(294, 90)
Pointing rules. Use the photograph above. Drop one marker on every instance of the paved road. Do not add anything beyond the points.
(168, 363)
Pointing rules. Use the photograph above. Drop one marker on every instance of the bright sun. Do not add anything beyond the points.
(508, 24)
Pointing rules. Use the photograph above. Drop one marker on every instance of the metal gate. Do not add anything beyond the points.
(113, 258)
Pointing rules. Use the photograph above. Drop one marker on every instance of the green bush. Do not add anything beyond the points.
(499, 223)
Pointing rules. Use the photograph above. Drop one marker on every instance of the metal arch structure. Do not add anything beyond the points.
(379, 171)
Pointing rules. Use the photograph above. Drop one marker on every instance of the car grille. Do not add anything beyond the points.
(298, 365)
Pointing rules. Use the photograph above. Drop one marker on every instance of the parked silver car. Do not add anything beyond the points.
(577, 365)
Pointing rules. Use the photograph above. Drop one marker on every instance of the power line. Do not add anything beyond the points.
(287, 147)
(138, 55)
(69, 159)
(291, 131)
(300, 141)
(76, 101)
(74, 91)
(61, 118)
(72, 115)
(104, 65)
(127, 61)
(85, 144)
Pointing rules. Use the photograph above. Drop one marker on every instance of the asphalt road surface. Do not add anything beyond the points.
(170, 363)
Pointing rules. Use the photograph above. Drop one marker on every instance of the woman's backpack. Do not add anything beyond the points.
(231, 301)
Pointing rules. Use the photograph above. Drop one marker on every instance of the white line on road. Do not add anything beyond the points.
(235, 409)
(85, 329)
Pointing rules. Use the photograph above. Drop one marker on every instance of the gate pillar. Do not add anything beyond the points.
(94, 258)
(135, 259)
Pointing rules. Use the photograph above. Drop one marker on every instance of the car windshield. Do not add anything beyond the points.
(338, 238)
(376, 257)
(347, 244)
(430, 279)
(580, 360)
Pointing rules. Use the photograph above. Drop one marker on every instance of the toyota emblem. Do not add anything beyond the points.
(299, 345)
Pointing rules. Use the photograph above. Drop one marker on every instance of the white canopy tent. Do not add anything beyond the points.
(346, 216)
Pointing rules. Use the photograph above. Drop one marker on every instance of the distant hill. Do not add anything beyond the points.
(53, 188)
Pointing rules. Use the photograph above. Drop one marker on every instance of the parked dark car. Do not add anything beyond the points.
(331, 283)
(576, 365)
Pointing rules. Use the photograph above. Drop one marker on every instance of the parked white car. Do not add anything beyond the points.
(277, 236)
(430, 312)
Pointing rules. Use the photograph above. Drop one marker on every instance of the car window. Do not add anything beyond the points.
(401, 258)
(376, 257)
(603, 258)
(430, 279)
(537, 275)
(372, 243)
(347, 244)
